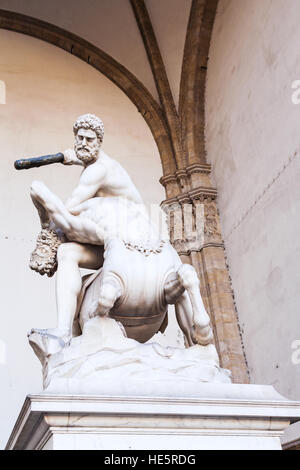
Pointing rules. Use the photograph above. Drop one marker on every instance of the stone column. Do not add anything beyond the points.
(195, 233)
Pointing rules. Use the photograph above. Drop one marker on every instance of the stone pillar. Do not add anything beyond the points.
(195, 233)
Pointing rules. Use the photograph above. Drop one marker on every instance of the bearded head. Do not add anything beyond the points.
(88, 132)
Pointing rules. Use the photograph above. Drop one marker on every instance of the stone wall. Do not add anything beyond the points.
(252, 141)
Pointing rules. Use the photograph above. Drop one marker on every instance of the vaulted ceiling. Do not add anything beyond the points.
(155, 51)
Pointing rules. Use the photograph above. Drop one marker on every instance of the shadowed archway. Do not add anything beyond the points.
(104, 63)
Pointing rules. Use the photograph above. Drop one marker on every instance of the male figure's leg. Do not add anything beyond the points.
(70, 257)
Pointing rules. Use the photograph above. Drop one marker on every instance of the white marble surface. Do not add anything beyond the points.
(291, 436)
(158, 441)
(222, 416)
(104, 226)
(103, 361)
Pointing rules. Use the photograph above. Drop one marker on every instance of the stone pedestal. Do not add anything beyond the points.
(221, 416)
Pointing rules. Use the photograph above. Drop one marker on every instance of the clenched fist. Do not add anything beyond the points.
(70, 158)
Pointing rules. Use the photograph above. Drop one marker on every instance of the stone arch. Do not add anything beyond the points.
(104, 63)
(193, 80)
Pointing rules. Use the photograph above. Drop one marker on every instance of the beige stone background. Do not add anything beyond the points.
(253, 143)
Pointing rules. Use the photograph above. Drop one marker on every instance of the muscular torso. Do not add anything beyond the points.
(103, 178)
(116, 181)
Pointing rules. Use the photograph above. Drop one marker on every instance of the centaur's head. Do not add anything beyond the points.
(88, 131)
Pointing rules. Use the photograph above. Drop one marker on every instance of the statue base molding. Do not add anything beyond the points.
(220, 416)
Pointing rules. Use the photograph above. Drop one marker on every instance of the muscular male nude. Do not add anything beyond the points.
(102, 177)
(103, 221)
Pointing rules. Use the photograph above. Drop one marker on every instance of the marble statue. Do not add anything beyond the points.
(106, 318)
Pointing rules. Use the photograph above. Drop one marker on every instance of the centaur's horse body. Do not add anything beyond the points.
(141, 306)
(141, 274)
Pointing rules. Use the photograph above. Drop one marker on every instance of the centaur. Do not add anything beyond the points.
(104, 226)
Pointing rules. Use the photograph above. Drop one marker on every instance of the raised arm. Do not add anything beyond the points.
(70, 158)
(89, 183)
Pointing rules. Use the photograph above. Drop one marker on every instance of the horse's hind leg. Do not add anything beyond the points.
(191, 312)
(109, 292)
(184, 316)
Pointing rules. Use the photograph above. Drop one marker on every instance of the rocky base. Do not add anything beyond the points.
(103, 361)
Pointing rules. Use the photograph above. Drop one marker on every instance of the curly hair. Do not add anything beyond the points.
(43, 259)
(90, 121)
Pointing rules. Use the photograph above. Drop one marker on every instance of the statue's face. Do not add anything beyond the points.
(87, 145)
